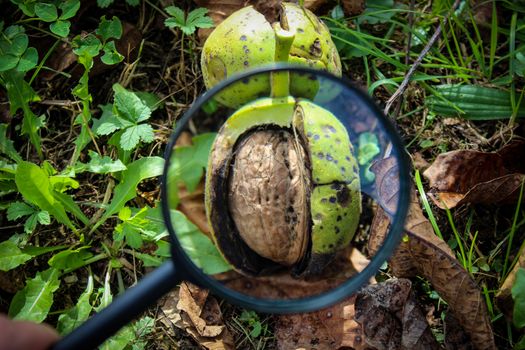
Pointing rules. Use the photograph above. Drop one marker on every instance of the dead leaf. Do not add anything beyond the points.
(455, 336)
(422, 253)
(353, 7)
(391, 318)
(327, 329)
(283, 286)
(504, 298)
(467, 176)
(331, 328)
(199, 314)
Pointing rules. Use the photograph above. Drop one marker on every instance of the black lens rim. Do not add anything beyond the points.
(192, 273)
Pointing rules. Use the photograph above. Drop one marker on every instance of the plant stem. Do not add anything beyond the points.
(280, 81)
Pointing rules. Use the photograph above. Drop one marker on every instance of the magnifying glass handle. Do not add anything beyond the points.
(122, 310)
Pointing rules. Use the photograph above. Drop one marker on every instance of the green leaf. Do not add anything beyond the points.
(518, 294)
(18, 45)
(178, 19)
(108, 122)
(196, 19)
(189, 162)
(11, 256)
(88, 45)
(198, 246)
(111, 55)
(71, 207)
(43, 217)
(6, 145)
(109, 28)
(70, 259)
(100, 165)
(30, 224)
(133, 2)
(17, 210)
(8, 62)
(104, 3)
(34, 301)
(377, 11)
(62, 183)
(149, 260)
(46, 12)
(137, 171)
(20, 95)
(73, 317)
(33, 183)
(134, 134)
(130, 105)
(60, 28)
(149, 99)
(69, 8)
(28, 61)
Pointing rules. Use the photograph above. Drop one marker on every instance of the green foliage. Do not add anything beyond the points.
(189, 162)
(55, 13)
(196, 19)
(17, 210)
(99, 164)
(106, 3)
(73, 317)
(33, 183)
(136, 172)
(198, 246)
(252, 320)
(137, 227)
(377, 11)
(518, 294)
(368, 149)
(34, 301)
(11, 256)
(126, 116)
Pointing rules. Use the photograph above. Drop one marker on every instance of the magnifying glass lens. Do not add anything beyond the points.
(290, 188)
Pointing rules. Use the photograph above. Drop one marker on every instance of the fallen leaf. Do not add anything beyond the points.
(467, 176)
(353, 7)
(504, 296)
(422, 253)
(391, 318)
(330, 328)
(199, 314)
(455, 336)
(283, 286)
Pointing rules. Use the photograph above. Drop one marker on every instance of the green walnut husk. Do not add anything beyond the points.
(282, 187)
(246, 39)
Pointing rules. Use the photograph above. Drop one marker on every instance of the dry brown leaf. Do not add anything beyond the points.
(330, 328)
(353, 7)
(504, 298)
(467, 176)
(391, 318)
(421, 253)
(199, 314)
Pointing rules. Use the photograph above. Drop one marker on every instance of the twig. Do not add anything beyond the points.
(401, 90)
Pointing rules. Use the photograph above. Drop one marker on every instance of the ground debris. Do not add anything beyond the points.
(467, 176)
(391, 318)
(422, 253)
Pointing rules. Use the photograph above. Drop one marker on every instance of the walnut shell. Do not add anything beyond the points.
(282, 187)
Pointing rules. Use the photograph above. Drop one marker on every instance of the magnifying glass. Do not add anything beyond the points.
(290, 188)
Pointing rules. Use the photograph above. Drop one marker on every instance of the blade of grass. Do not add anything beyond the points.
(493, 38)
(458, 238)
(426, 205)
(512, 48)
(512, 232)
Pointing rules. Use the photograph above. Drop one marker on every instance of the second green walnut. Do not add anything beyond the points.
(282, 187)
